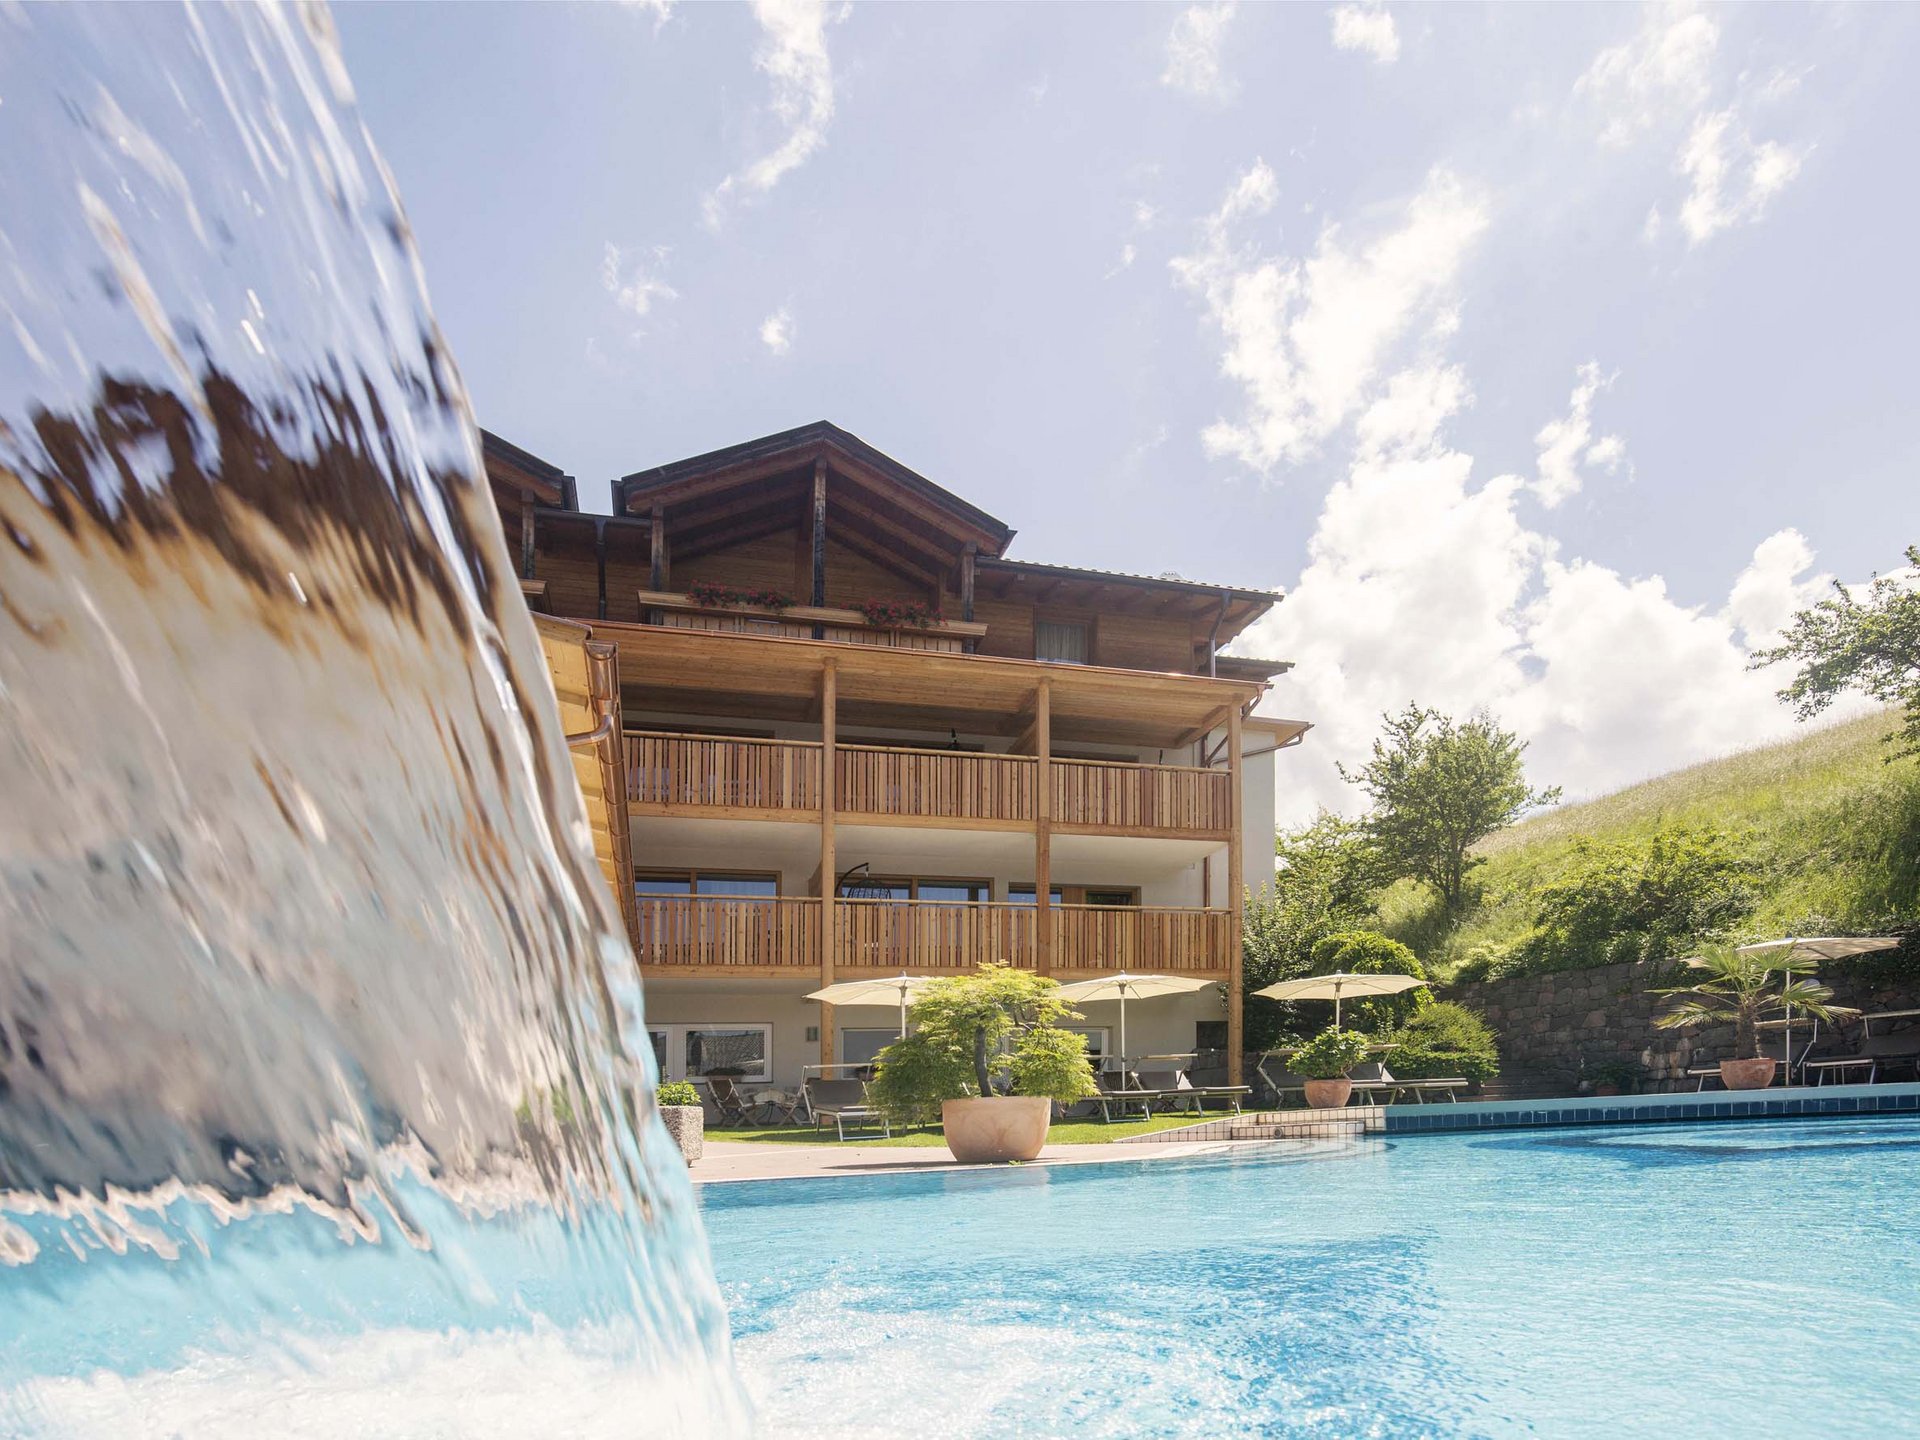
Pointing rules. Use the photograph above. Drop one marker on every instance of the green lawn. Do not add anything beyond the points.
(1064, 1132)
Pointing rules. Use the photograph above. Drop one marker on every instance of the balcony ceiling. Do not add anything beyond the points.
(753, 676)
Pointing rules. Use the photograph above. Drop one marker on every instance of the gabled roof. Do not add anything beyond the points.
(509, 468)
(1229, 608)
(754, 461)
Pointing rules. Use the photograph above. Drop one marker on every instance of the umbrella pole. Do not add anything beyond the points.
(1123, 1028)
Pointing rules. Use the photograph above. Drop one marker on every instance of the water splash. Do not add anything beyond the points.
(319, 1104)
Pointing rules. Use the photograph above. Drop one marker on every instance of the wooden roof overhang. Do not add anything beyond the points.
(769, 678)
(586, 684)
(1112, 590)
(876, 505)
(517, 474)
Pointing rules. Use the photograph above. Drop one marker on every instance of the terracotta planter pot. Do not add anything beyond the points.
(1754, 1074)
(1329, 1094)
(996, 1128)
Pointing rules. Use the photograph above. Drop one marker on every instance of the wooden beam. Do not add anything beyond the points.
(1206, 727)
(829, 862)
(526, 534)
(1043, 827)
(887, 559)
(658, 551)
(967, 558)
(820, 536)
(930, 553)
(1236, 901)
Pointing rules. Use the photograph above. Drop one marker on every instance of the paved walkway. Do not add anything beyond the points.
(729, 1160)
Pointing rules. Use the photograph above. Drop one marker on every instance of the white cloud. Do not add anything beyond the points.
(776, 331)
(1128, 254)
(1661, 84)
(1305, 339)
(1567, 445)
(661, 10)
(1370, 32)
(793, 56)
(1772, 587)
(631, 277)
(1731, 177)
(1193, 52)
(1664, 72)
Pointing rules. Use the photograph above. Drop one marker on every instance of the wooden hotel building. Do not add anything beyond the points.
(855, 738)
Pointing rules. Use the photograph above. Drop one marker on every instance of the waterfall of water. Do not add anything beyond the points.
(323, 1093)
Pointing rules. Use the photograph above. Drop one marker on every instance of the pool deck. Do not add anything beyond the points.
(736, 1160)
(726, 1161)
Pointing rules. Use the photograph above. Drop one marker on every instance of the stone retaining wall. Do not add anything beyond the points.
(1549, 1024)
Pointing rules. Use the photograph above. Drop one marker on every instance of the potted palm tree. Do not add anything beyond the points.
(1741, 988)
(1323, 1063)
(987, 1056)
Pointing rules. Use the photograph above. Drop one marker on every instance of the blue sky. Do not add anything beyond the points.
(1548, 356)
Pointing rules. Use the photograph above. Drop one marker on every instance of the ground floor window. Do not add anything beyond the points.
(738, 883)
(1096, 1043)
(859, 1047)
(692, 1052)
(1112, 896)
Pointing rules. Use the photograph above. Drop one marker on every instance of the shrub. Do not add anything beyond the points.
(676, 1092)
(1329, 1055)
(970, 1029)
(1641, 899)
(1365, 952)
(1444, 1039)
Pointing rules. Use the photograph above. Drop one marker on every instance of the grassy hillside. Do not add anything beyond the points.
(1835, 830)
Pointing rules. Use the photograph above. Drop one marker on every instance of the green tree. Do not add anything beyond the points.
(1439, 787)
(1870, 645)
(1367, 952)
(970, 1029)
(1328, 874)
(1444, 1040)
(1743, 989)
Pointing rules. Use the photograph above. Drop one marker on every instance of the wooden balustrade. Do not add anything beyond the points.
(693, 930)
(698, 770)
(935, 784)
(921, 936)
(1142, 941)
(799, 622)
(1141, 797)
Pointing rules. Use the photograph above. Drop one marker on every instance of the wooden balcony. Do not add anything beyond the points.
(693, 935)
(714, 935)
(934, 784)
(776, 779)
(1097, 939)
(1112, 795)
(798, 622)
(927, 937)
(703, 773)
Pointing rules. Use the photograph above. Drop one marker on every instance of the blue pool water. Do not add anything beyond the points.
(1734, 1279)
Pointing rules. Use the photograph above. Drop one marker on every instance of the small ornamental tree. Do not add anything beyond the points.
(1743, 989)
(1329, 1055)
(969, 1031)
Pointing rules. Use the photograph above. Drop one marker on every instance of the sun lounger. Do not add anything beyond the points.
(1176, 1087)
(1122, 1090)
(841, 1101)
(1286, 1083)
(1373, 1080)
(1876, 1054)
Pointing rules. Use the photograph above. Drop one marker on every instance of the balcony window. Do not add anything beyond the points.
(1064, 644)
(719, 883)
(1023, 894)
(906, 887)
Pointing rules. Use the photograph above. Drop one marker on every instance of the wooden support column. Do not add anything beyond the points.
(657, 578)
(819, 541)
(1236, 900)
(526, 535)
(829, 863)
(1043, 827)
(600, 563)
(967, 558)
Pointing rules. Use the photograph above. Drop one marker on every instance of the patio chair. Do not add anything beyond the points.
(730, 1102)
(776, 1106)
(841, 1101)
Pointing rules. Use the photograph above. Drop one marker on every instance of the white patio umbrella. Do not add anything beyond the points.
(1124, 987)
(1337, 987)
(898, 990)
(1817, 947)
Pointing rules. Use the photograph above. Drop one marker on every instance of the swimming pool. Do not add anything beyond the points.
(1732, 1279)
